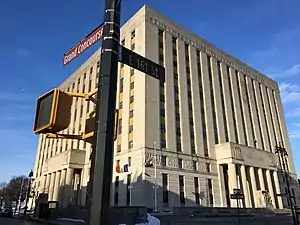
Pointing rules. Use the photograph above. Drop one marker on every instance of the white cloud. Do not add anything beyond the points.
(290, 72)
(283, 47)
(295, 134)
(294, 113)
(290, 93)
(23, 53)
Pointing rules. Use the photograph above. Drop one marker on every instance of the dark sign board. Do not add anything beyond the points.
(141, 63)
(84, 44)
(237, 196)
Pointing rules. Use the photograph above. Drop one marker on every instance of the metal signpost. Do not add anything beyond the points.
(103, 144)
(237, 194)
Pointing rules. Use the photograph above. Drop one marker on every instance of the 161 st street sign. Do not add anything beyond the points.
(89, 40)
(141, 63)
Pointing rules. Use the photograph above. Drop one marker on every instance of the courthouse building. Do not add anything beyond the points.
(213, 126)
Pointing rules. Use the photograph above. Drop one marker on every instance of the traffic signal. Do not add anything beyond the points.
(90, 124)
(53, 112)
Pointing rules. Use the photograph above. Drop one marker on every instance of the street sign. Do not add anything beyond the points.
(84, 44)
(237, 196)
(141, 63)
(236, 191)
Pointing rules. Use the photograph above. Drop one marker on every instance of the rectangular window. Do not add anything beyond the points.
(197, 194)
(203, 116)
(181, 190)
(128, 196)
(223, 102)
(165, 188)
(180, 163)
(241, 106)
(232, 106)
(210, 193)
(257, 114)
(131, 113)
(116, 191)
(212, 100)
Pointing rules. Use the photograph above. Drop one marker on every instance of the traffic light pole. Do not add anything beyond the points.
(103, 144)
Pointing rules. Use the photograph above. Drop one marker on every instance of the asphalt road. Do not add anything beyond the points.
(8, 221)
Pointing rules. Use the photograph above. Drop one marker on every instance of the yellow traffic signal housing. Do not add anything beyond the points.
(90, 125)
(53, 112)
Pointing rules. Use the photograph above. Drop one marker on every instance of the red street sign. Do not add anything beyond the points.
(83, 45)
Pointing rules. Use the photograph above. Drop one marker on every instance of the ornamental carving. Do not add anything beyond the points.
(272, 160)
(237, 152)
(188, 164)
(202, 167)
(172, 162)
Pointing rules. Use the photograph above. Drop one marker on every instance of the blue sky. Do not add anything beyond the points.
(35, 34)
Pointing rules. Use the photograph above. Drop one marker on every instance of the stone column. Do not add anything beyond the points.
(261, 179)
(68, 187)
(62, 188)
(47, 184)
(270, 187)
(278, 190)
(56, 186)
(51, 187)
(245, 186)
(253, 185)
(232, 180)
(222, 186)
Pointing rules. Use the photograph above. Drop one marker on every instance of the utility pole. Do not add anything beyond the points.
(103, 144)
(282, 155)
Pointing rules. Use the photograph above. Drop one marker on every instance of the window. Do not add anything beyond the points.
(130, 128)
(119, 148)
(130, 145)
(131, 71)
(180, 163)
(165, 188)
(196, 186)
(98, 64)
(91, 70)
(133, 46)
(131, 85)
(210, 192)
(133, 34)
(120, 126)
(116, 191)
(164, 160)
(129, 161)
(120, 105)
(131, 99)
(131, 113)
(181, 190)
(128, 197)
(207, 165)
(121, 84)
(194, 165)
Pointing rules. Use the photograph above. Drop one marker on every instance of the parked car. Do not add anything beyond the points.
(7, 212)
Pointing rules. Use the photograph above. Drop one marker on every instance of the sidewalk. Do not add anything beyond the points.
(54, 222)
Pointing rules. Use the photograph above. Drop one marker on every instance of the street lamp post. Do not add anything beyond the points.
(282, 154)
